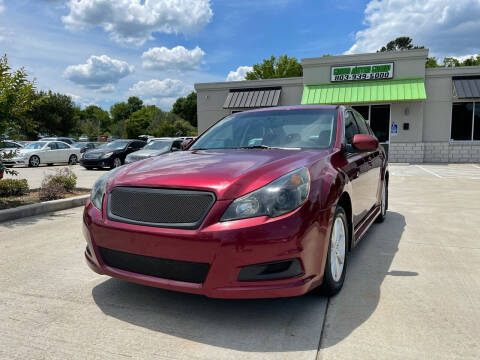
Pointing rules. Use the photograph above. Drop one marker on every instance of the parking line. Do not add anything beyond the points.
(429, 171)
(478, 167)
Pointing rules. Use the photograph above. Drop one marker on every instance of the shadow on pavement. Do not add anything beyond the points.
(369, 264)
(265, 325)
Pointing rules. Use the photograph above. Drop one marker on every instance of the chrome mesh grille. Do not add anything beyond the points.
(159, 207)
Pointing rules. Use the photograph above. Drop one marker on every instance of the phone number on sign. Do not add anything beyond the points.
(346, 77)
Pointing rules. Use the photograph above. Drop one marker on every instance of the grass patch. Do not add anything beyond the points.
(33, 197)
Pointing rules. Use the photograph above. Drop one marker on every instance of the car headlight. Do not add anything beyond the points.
(279, 197)
(99, 189)
(107, 155)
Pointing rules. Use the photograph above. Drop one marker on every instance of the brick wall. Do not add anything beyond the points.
(440, 152)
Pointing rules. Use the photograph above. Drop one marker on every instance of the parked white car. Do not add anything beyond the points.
(7, 146)
(45, 152)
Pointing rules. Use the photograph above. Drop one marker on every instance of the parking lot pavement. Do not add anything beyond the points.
(412, 292)
(413, 286)
(85, 178)
(52, 306)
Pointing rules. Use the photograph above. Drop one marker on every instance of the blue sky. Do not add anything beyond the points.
(102, 51)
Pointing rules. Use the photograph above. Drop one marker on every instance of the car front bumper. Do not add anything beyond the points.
(227, 248)
(95, 162)
(15, 161)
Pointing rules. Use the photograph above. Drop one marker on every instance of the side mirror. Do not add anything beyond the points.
(363, 142)
(186, 144)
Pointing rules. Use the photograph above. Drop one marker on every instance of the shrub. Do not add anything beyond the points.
(64, 177)
(51, 191)
(55, 186)
(13, 187)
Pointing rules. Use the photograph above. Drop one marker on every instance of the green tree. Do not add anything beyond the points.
(97, 116)
(139, 122)
(121, 111)
(186, 108)
(450, 62)
(17, 98)
(53, 114)
(431, 62)
(283, 67)
(400, 43)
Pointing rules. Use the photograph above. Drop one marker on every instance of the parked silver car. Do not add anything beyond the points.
(44, 152)
(155, 147)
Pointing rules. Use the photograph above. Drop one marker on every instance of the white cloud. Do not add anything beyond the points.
(134, 21)
(99, 73)
(177, 58)
(445, 27)
(238, 74)
(165, 103)
(160, 88)
(2, 8)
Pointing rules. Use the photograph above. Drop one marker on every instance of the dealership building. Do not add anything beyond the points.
(418, 114)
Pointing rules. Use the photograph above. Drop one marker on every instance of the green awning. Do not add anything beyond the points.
(364, 92)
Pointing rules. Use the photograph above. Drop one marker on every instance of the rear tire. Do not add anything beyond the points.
(334, 276)
(34, 161)
(72, 160)
(384, 203)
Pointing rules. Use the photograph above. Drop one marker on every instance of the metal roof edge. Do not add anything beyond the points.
(249, 83)
(366, 57)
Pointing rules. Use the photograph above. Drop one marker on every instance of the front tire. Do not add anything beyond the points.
(34, 161)
(336, 264)
(117, 162)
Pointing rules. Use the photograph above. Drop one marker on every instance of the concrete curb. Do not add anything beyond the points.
(42, 208)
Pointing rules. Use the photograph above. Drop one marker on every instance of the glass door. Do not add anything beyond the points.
(380, 124)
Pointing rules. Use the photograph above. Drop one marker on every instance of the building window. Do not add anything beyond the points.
(465, 121)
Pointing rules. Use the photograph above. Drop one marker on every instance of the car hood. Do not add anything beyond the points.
(229, 173)
(148, 153)
(98, 153)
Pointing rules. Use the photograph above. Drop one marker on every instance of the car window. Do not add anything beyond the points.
(52, 146)
(351, 128)
(177, 144)
(62, 145)
(305, 128)
(138, 144)
(362, 124)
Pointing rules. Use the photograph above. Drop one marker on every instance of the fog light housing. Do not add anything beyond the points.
(271, 271)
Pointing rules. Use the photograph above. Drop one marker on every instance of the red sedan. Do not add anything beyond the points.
(265, 203)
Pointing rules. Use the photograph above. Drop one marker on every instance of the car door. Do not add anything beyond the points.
(375, 161)
(356, 168)
(50, 153)
(64, 152)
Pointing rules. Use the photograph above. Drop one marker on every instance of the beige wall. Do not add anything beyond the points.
(407, 64)
(211, 97)
(414, 116)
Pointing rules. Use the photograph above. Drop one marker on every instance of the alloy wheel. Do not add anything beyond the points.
(34, 161)
(117, 162)
(72, 160)
(337, 249)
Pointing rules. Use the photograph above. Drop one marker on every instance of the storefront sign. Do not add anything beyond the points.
(362, 72)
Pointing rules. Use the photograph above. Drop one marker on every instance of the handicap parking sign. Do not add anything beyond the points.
(394, 130)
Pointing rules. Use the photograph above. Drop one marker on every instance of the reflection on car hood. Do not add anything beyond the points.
(229, 173)
(147, 153)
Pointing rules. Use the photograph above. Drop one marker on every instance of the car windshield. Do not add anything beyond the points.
(116, 145)
(35, 145)
(301, 128)
(158, 145)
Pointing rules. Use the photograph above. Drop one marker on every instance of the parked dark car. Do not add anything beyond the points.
(155, 147)
(110, 155)
(86, 146)
(67, 140)
(265, 203)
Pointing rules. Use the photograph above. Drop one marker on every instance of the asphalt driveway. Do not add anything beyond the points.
(412, 292)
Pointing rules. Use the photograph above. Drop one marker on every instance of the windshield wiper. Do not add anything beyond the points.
(256, 147)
